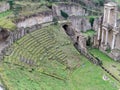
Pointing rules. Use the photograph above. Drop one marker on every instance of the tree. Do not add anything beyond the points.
(11, 3)
(16, 9)
(91, 20)
(64, 14)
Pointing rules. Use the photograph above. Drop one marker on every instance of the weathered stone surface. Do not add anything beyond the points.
(70, 9)
(96, 24)
(80, 24)
(115, 54)
(35, 19)
(4, 7)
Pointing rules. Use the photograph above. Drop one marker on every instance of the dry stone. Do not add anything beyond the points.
(4, 7)
(80, 24)
(70, 9)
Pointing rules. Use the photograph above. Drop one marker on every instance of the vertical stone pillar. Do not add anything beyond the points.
(106, 39)
(102, 36)
(104, 15)
(108, 19)
(98, 34)
(115, 17)
(113, 41)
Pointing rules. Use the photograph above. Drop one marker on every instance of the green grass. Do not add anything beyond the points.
(86, 77)
(89, 33)
(108, 63)
(77, 74)
(7, 24)
(5, 14)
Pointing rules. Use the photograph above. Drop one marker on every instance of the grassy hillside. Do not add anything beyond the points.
(60, 67)
(112, 66)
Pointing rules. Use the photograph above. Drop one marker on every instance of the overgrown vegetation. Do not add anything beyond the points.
(64, 14)
(75, 73)
(7, 23)
(91, 20)
(89, 33)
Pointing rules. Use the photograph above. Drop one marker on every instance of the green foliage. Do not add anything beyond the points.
(91, 20)
(88, 43)
(7, 23)
(5, 14)
(11, 3)
(64, 14)
(55, 20)
(89, 33)
(16, 9)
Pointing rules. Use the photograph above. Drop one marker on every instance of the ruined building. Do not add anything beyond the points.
(108, 33)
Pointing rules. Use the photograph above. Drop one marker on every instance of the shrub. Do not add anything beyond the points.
(64, 14)
(55, 20)
(88, 43)
(11, 3)
(91, 20)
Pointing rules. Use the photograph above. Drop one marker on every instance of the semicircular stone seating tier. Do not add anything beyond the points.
(38, 49)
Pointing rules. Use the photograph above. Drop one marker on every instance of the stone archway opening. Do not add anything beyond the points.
(69, 31)
(4, 34)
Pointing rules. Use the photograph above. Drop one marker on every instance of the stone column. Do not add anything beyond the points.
(104, 15)
(115, 17)
(98, 34)
(113, 40)
(106, 39)
(108, 19)
(102, 36)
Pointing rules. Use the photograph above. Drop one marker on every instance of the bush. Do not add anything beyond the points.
(88, 43)
(91, 20)
(11, 3)
(64, 14)
(55, 20)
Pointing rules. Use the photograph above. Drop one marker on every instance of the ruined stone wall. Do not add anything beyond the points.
(17, 34)
(110, 37)
(96, 24)
(20, 32)
(70, 9)
(4, 7)
(80, 23)
(32, 20)
(117, 44)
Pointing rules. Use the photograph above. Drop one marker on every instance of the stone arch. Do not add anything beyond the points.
(69, 30)
(4, 34)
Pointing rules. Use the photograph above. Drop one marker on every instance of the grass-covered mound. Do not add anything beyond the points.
(47, 60)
